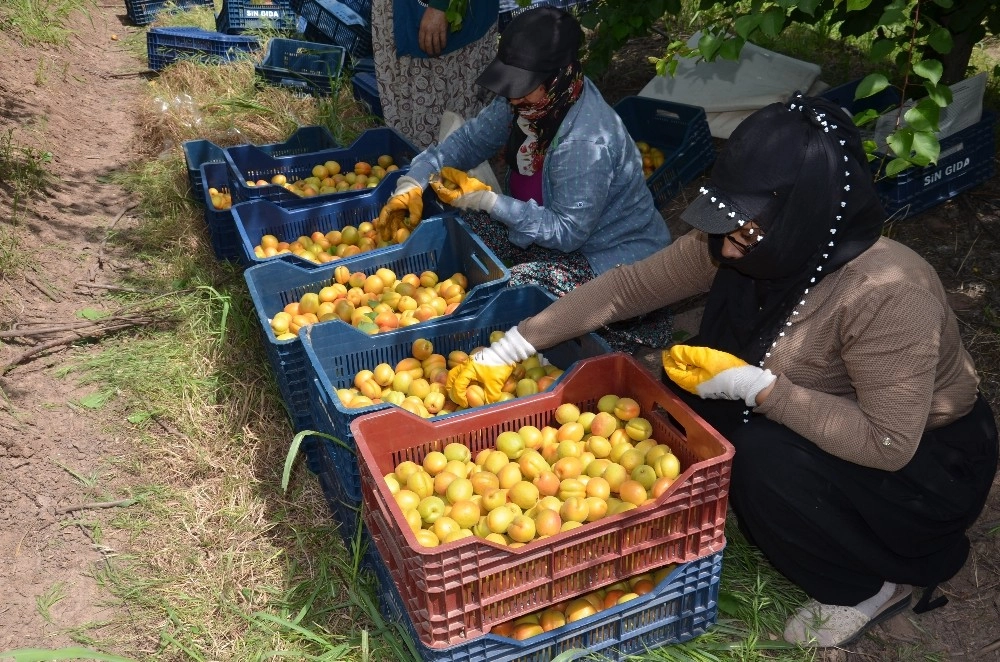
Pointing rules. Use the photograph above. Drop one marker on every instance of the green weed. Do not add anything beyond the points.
(42, 21)
(45, 601)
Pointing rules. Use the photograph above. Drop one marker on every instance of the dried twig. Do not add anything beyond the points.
(95, 505)
(43, 330)
(92, 274)
(113, 288)
(96, 332)
(41, 288)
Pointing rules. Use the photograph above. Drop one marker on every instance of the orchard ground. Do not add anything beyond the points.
(58, 452)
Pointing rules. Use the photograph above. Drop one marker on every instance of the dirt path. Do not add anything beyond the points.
(75, 103)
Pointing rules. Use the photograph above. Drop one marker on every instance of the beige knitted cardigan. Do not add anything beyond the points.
(873, 358)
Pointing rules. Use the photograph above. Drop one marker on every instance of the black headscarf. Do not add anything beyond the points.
(807, 155)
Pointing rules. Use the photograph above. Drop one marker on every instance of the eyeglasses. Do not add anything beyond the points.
(740, 246)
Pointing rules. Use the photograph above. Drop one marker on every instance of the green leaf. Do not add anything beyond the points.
(745, 25)
(95, 400)
(881, 48)
(940, 40)
(865, 116)
(944, 4)
(91, 314)
(923, 116)
(929, 69)
(893, 17)
(896, 166)
(857, 5)
(40, 655)
(870, 85)
(926, 148)
(772, 22)
(728, 604)
(900, 142)
(939, 94)
(808, 6)
(140, 417)
(708, 45)
(731, 49)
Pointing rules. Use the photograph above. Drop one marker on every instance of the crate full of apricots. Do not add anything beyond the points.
(607, 475)
(670, 605)
(442, 269)
(321, 175)
(321, 232)
(355, 376)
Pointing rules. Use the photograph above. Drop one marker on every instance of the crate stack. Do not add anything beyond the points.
(460, 600)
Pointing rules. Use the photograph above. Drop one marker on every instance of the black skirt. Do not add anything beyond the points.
(838, 529)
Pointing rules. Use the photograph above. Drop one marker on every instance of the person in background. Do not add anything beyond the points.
(424, 69)
(578, 204)
(828, 355)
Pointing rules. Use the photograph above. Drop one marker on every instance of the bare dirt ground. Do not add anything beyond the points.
(78, 103)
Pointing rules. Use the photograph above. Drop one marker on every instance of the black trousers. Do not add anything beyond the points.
(839, 530)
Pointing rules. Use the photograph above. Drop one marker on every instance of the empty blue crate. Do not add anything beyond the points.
(365, 88)
(443, 244)
(680, 131)
(966, 159)
(164, 46)
(256, 218)
(336, 355)
(684, 605)
(302, 65)
(304, 140)
(346, 23)
(238, 16)
(142, 12)
(250, 163)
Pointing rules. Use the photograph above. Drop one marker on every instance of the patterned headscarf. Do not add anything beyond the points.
(535, 125)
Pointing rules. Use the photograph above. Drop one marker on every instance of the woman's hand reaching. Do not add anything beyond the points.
(433, 33)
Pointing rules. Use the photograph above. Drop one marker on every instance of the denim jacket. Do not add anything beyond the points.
(595, 194)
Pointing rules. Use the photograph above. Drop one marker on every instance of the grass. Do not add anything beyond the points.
(42, 21)
(25, 176)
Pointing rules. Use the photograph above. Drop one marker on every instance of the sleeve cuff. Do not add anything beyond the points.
(441, 5)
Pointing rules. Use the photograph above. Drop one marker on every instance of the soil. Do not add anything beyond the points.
(78, 102)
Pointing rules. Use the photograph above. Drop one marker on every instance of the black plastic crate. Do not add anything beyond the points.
(302, 65)
(365, 88)
(142, 12)
(966, 158)
(240, 15)
(164, 46)
(340, 23)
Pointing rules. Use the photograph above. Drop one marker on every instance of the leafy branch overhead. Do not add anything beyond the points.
(925, 45)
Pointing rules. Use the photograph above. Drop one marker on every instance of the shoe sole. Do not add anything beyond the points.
(888, 611)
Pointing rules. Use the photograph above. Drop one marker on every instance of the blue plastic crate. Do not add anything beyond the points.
(247, 162)
(365, 88)
(221, 229)
(444, 244)
(302, 65)
(142, 12)
(684, 605)
(304, 140)
(335, 356)
(966, 159)
(509, 9)
(345, 512)
(256, 218)
(346, 23)
(680, 130)
(164, 46)
(238, 16)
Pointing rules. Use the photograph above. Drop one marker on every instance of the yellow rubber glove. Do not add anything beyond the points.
(690, 366)
(404, 209)
(453, 183)
(490, 367)
(491, 377)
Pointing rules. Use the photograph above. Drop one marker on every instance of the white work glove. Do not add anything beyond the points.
(742, 383)
(477, 200)
(510, 349)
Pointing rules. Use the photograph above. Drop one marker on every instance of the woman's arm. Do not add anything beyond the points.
(472, 143)
(890, 348)
(672, 274)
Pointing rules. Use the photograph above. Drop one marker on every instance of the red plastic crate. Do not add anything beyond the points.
(461, 589)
